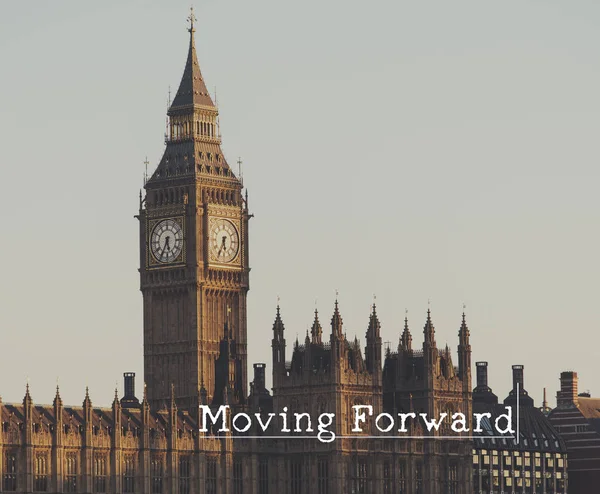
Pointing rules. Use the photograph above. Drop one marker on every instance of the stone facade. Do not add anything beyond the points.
(194, 277)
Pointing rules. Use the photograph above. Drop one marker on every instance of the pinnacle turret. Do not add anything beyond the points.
(316, 330)
(429, 330)
(406, 338)
(336, 323)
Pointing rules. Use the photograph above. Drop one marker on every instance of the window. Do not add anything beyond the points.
(402, 478)
(129, 474)
(263, 476)
(70, 484)
(211, 476)
(323, 476)
(296, 476)
(387, 478)
(184, 474)
(359, 476)
(41, 473)
(419, 478)
(10, 471)
(100, 473)
(238, 477)
(453, 479)
(156, 472)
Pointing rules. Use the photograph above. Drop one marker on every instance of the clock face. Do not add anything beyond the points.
(166, 241)
(224, 240)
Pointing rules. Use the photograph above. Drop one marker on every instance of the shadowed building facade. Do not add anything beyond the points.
(194, 278)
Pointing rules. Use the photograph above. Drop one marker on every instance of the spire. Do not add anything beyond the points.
(316, 330)
(57, 399)
(27, 401)
(374, 328)
(463, 332)
(278, 327)
(86, 401)
(429, 330)
(406, 338)
(336, 322)
(192, 89)
(116, 403)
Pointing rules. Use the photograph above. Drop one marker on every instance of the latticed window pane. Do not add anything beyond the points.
(263, 476)
(185, 469)
(402, 478)
(211, 476)
(156, 472)
(41, 473)
(419, 478)
(129, 474)
(296, 476)
(10, 471)
(360, 476)
(323, 476)
(100, 473)
(70, 482)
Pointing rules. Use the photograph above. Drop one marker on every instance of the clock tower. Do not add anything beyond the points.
(194, 257)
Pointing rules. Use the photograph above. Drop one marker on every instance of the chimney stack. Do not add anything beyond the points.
(482, 374)
(259, 377)
(517, 377)
(567, 396)
(129, 400)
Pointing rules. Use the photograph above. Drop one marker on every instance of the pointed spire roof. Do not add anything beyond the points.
(463, 332)
(374, 325)
(192, 89)
(87, 402)
(316, 330)
(429, 329)
(336, 321)
(406, 338)
(278, 326)
(27, 401)
(57, 398)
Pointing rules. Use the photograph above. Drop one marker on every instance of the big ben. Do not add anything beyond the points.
(193, 255)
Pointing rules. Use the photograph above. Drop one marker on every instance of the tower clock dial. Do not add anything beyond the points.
(224, 240)
(166, 241)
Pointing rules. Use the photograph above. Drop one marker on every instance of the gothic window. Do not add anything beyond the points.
(453, 479)
(387, 478)
(211, 476)
(402, 478)
(100, 473)
(296, 476)
(359, 476)
(238, 478)
(184, 475)
(41, 473)
(156, 471)
(10, 471)
(323, 476)
(70, 484)
(419, 478)
(263, 476)
(129, 474)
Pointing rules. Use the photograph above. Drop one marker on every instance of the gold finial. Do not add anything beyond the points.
(191, 18)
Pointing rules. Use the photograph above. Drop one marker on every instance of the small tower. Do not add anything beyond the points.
(406, 338)
(278, 347)
(464, 354)
(316, 330)
(373, 349)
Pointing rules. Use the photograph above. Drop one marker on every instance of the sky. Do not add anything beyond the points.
(431, 154)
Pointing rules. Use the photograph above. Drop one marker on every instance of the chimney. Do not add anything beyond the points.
(517, 377)
(129, 400)
(524, 400)
(482, 374)
(567, 396)
(259, 377)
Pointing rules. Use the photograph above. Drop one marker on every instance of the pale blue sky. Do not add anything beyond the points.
(417, 150)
